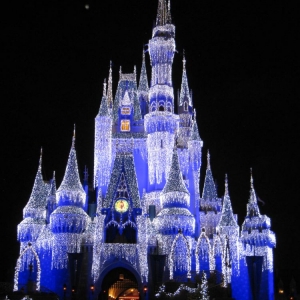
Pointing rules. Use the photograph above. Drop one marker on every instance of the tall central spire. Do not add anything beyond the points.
(163, 13)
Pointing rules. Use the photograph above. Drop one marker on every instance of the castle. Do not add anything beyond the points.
(149, 224)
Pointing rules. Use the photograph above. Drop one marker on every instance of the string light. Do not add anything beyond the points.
(55, 222)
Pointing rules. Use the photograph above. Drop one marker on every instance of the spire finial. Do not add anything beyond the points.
(104, 87)
(74, 135)
(41, 157)
(226, 183)
(163, 14)
(109, 87)
(251, 179)
(208, 160)
(183, 59)
(53, 175)
(120, 72)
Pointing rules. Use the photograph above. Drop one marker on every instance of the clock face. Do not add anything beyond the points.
(121, 205)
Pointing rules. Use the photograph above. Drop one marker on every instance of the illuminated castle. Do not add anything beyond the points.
(149, 224)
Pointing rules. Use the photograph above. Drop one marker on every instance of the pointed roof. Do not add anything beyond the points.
(163, 13)
(209, 190)
(252, 206)
(227, 217)
(52, 189)
(71, 181)
(36, 204)
(195, 132)
(109, 88)
(175, 181)
(143, 83)
(104, 108)
(123, 166)
(184, 91)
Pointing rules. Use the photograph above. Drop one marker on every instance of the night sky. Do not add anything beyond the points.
(243, 69)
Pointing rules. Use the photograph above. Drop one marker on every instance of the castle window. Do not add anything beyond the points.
(125, 125)
(125, 111)
(161, 108)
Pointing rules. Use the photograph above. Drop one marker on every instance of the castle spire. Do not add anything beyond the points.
(36, 204)
(104, 106)
(252, 207)
(163, 13)
(195, 131)
(227, 217)
(109, 88)
(143, 83)
(175, 181)
(209, 190)
(52, 190)
(184, 91)
(71, 188)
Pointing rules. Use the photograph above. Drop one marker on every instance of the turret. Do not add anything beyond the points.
(256, 227)
(34, 213)
(258, 242)
(161, 123)
(175, 200)
(210, 204)
(69, 220)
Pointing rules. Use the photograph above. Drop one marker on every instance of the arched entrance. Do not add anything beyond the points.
(120, 283)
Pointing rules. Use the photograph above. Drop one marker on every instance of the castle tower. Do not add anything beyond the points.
(67, 223)
(258, 242)
(34, 221)
(103, 142)
(174, 223)
(228, 230)
(161, 123)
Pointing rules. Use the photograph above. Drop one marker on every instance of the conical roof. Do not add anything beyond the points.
(184, 91)
(35, 207)
(143, 83)
(71, 181)
(195, 132)
(252, 206)
(104, 108)
(227, 217)
(52, 189)
(175, 181)
(209, 190)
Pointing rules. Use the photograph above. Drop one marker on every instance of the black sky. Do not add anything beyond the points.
(243, 68)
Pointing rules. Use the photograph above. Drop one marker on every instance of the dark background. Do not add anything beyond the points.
(243, 68)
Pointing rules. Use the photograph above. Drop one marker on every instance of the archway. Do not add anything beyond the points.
(119, 283)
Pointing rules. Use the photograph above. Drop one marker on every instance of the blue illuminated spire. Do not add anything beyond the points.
(163, 13)
(109, 88)
(35, 207)
(195, 132)
(209, 190)
(143, 83)
(71, 181)
(52, 189)
(175, 181)
(227, 217)
(252, 207)
(104, 108)
(184, 91)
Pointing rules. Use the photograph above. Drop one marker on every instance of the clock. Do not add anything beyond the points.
(121, 205)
